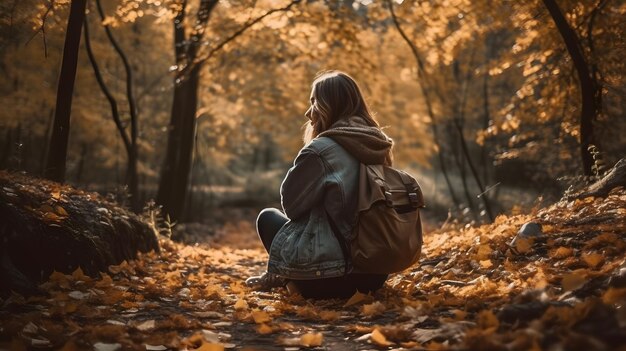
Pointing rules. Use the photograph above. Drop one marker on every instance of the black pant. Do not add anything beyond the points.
(270, 221)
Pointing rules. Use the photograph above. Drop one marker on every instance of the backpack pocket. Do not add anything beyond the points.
(386, 241)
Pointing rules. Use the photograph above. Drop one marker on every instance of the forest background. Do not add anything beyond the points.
(199, 104)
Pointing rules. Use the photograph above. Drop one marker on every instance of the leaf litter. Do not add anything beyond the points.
(475, 288)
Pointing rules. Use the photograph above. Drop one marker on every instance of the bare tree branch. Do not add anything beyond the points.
(105, 90)
(239, 32)
(41, 28)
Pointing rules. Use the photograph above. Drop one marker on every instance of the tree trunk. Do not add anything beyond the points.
(45, 150)
(176, 169)
(55, 165)
(588, 87)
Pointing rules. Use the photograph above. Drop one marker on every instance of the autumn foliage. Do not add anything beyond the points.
(472, 290)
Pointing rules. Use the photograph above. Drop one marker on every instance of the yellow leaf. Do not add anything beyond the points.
(573, 281)
(78, 275)
(330, 315)
(264, 329)
(613, 295)
(486, 263)
(357, 298)
(373, 309)
(241, 304)
(260, 317)
(593, 260)
(306, 312)
(563, 252)
(56, 194)
(210, 347)
(484, 251)
(523, 245)
(379, 339)
(311, 339)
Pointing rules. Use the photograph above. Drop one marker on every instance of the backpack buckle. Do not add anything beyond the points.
(388, 198)
(414, 199)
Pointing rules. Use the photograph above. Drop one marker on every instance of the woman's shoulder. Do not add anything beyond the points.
(320, 145)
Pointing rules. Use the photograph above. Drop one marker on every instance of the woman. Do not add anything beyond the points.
(319, 195)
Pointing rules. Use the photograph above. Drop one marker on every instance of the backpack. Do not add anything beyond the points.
(388, 234)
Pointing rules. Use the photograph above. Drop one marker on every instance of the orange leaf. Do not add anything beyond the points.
(486, 263)
(357, 298)
(523, 245)
(210, 347)
(264, 329)
(311, 339)
(379, 339)
(593, 260)
(330, 315)
(373, 309)
(563, 252)
(78, 275)
(260, 317)
(573, 281)
(241, 304)
(613, 295)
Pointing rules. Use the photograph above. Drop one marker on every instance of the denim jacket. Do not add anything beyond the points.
(322, 182)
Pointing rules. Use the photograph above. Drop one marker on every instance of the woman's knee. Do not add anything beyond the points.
(268, 215)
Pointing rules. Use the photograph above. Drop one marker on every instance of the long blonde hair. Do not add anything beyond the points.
(334, 96)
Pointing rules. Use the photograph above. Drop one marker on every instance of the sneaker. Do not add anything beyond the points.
(266, 281)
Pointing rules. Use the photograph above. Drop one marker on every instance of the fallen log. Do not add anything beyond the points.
(46, 227)
(614, 178)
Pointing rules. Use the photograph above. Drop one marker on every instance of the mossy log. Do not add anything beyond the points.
(46, 227)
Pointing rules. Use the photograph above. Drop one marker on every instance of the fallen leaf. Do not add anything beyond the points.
(100, 346)
(593, 260)
(260, 317)
(210, 347)
(357, 298)
(241, 304)
(614, 295)
(311, 339)
(573, 281)
(483, 252)
(79, 275)
(329, 315)
(379, 339)
(146, 325)
(562, 252)
(373, 309)
(523, 245)
(61, 211)
(486, 263)
(264, 329)
(78, 295)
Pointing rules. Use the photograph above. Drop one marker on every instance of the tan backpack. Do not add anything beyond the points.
(388, 234)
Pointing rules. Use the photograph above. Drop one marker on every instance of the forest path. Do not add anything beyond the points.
(565, 288)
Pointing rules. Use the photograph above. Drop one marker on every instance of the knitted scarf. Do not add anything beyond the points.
(366, 143)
